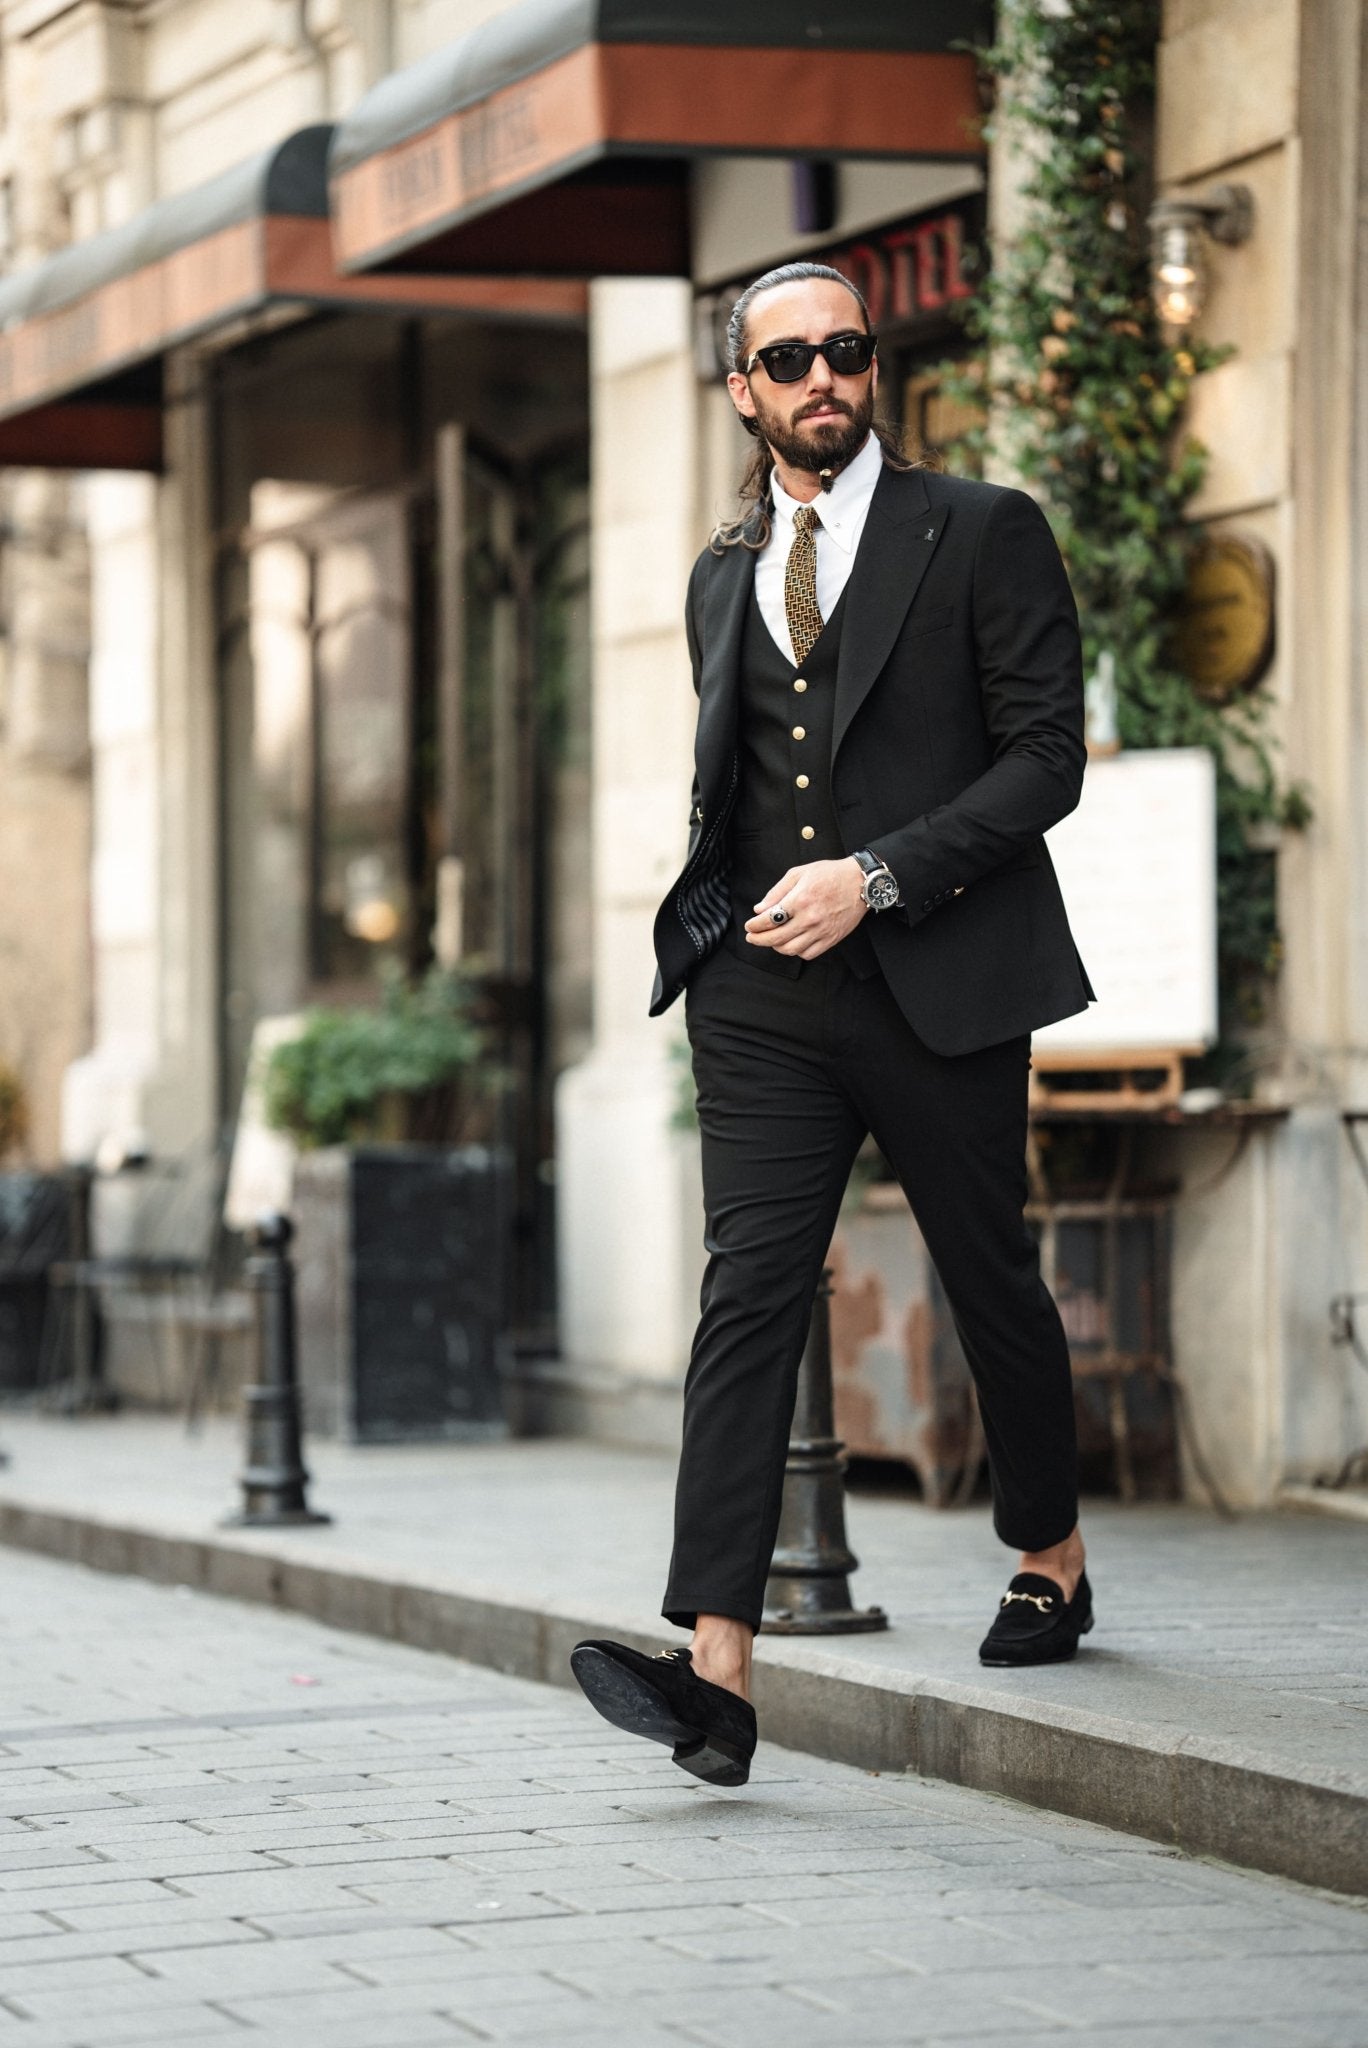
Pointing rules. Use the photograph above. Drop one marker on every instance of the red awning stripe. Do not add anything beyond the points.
(131, 318)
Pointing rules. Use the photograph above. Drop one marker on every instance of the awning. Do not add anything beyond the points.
(556, 138)
(82, 335)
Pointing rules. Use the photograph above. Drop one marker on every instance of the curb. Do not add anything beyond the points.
(1203, 1799)
(1324, 1500)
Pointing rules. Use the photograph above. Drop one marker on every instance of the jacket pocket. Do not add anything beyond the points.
(927, 622)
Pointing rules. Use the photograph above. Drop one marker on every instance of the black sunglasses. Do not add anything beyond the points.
(849, 355)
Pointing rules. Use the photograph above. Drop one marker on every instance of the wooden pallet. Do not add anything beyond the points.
(1100, 1081)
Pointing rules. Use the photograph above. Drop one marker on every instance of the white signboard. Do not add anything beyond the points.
(1137, 864)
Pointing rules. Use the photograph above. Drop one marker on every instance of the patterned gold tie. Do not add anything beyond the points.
(805, 621)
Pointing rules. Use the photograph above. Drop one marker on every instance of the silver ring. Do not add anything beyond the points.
(779, 915)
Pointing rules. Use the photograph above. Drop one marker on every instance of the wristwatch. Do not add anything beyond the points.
(879, 888)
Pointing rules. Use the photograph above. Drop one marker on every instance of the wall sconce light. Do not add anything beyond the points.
(1177, 268)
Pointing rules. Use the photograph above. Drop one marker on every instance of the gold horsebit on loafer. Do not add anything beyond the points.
(1044, 1601)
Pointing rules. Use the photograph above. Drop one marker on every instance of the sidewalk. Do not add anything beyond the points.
(1221, 1705)
(224, 1824)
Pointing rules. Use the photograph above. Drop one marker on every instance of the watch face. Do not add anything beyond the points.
(882, 891)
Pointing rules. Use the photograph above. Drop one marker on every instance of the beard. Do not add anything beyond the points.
(828, 445)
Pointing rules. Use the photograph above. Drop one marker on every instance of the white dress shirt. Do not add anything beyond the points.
(841, 514)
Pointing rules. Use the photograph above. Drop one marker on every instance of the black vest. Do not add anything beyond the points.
(772, 809)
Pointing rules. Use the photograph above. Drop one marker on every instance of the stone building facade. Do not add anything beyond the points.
(138, 776)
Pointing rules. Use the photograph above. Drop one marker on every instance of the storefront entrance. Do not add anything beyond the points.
(404, 704)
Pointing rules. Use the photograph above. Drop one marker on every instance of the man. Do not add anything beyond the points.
(867, 928)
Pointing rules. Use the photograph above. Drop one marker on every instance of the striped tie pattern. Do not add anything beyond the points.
(805, 620)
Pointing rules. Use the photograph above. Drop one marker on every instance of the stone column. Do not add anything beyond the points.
(150, 1072)
(1270, 93)
(629, 1207)
(44, 795)
(44, 650)
(103, 1097)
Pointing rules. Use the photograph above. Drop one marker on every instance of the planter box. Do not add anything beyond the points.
(401, 1260)
(902, 1387)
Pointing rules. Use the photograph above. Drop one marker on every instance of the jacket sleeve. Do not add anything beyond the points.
(1030, 671)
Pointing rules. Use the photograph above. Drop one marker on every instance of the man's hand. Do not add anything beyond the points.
(824, 905)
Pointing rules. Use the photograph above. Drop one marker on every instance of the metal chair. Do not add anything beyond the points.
(167, 1245)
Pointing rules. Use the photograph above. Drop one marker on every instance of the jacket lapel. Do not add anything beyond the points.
(724, 617)
(898, 541)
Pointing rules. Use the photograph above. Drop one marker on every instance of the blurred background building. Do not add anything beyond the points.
(344, 606)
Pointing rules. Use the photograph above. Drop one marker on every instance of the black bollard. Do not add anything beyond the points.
(808, 1590)
(274, 1481)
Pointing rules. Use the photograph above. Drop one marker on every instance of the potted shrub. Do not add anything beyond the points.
(412, 1068)
(400, 1205)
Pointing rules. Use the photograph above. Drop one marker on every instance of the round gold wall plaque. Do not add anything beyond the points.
(1224, 637)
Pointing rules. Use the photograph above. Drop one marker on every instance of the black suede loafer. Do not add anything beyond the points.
(711, 1731)
(1035, 1624)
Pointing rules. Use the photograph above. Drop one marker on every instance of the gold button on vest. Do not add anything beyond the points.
(801, 781)
(800, 732)
(800, 686)
(809, 832)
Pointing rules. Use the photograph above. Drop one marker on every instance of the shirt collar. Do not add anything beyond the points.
(841, 509)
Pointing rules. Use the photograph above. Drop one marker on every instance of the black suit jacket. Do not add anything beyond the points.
(958, 742)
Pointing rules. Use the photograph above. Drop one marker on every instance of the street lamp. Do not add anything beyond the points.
(1177, 224)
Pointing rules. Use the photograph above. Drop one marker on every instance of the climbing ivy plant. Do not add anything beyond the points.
(1080, 391)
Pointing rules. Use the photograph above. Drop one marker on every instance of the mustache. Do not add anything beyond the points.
(823, 405)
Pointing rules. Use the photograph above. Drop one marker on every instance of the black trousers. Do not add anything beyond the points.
(791, 1074)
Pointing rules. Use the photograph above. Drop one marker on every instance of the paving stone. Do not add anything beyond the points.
(356, 1919)
(572, 1929)
(1344, 2030)
(82, 1973)
(441, 1838)
(879, 1944)
(260, 1887)
(1225, 1990)
(420, 2030)
(198, 2023)
(451, 1905)
(736, 1891)
(20, 1958)
(266, 1966)
(136, 1860)
(184, 2022)
(13, 1926)
(56, 2000)
(314, 2013)
(1258, 2034)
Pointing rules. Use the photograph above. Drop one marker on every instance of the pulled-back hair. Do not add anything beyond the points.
(787, 273)
(751, 526)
